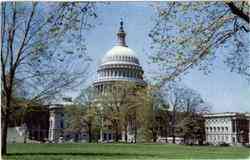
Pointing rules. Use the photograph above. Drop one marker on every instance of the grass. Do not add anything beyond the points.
(121, 151)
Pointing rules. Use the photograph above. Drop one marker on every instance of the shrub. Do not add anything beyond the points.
(224, 144)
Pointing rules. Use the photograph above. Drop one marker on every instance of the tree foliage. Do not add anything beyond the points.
(34, 38)
(149, 102)
(82, 116)
(194, 34)
(192, 129)
(117, 106)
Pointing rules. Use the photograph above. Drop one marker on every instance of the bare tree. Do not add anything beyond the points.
(174, 94)
(35, 38)
(183, 102)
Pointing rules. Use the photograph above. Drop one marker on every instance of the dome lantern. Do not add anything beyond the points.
(121, 35)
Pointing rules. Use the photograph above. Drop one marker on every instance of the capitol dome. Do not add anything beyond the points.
(119, 64)
(120, 54)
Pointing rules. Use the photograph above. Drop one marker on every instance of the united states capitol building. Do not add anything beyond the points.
(121, 64)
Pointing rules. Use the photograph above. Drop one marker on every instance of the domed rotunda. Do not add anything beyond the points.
(119, 64)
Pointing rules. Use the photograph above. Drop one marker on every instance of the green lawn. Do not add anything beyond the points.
(121, 151)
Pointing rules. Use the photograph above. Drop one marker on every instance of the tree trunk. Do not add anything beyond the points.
(90, 132)
(135, 134)
(154, 136)
(4, 135)
(25, 136)
(6, 120)
(5, 128)
(173, 124)
(135, 128)
(116, 133)
(126, 133)
(173, 138)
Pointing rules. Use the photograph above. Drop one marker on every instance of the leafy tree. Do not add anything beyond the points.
(33, 41)
(189, 34)
(79, 119)
(87, 100)
(82, 115)
(192, 128)
(149, 102)
(117, 106)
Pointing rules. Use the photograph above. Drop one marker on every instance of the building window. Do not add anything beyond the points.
(233, 125)
(104, 136)
(226, 129)
(62, 125)
(234, 140)
(226, 138)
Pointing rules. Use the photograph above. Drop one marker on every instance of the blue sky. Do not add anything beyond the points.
(226, 91)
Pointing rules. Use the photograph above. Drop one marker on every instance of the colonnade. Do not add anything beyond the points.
(120, 73)
(123, 58)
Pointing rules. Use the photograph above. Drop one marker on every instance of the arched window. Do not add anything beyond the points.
(226, 129)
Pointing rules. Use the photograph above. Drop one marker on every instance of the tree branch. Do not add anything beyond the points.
(25, 35)
(235, 10)
(2, 43)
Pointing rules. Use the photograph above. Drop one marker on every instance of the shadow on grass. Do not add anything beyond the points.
(81, 154)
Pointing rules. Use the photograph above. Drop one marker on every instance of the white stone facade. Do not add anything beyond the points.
(56, 123)
(229, 128)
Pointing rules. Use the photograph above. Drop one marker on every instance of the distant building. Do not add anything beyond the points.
(58, 132)
(229, 128)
